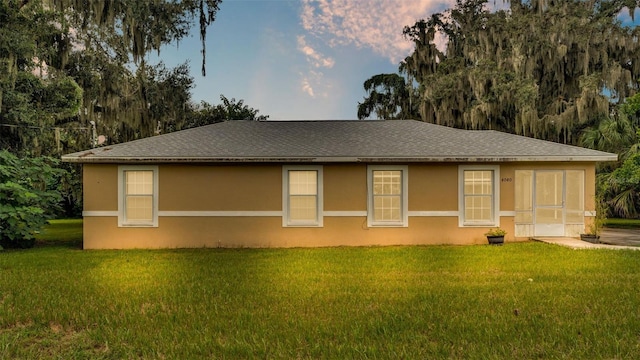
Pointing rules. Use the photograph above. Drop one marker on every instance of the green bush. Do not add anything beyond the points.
(27, 197)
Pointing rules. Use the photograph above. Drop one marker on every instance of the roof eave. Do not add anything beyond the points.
(336, 159)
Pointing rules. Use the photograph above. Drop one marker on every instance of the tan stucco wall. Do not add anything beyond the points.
(103, 233)
(345, 187)
(432, 187)
(220, 188)
(100, 187)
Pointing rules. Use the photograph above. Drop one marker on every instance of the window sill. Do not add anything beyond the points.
(139, 225)
(478, 225)
(382, 225)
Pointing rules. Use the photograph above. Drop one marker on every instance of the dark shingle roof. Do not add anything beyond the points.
(335, 141)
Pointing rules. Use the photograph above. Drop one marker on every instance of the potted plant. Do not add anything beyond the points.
(496, 236)
(592, 235)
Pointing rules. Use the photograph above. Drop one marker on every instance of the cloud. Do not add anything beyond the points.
(313, 78)
(313, 56)
(374, 24)
(314, 84)
(306, 87)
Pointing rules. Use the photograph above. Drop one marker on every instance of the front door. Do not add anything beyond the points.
(549, 203)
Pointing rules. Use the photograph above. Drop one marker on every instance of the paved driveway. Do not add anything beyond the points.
(609, 239)
(627, 237)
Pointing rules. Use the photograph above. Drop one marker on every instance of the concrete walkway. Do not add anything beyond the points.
(614, 239)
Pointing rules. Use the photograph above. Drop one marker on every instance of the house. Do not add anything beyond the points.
(332, 183)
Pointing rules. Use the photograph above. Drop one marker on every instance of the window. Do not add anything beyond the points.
(479, 200)
(138, 196)
(302, 201)
(387, 196)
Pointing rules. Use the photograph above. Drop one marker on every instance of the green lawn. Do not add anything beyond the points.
(622, 223)
(67, 232)
(526, 300)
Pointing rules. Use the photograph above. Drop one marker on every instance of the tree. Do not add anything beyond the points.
(540, 69)
(388, 97)
(32, 107)
(152, 101)
(613, 133)
(133, 28)
(621, 188)
(69, 65)
(618, 184)
(205, 113)
(101, 46)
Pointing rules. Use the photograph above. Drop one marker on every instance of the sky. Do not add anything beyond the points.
(302, 59)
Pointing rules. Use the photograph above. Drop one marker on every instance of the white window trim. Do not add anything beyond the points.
(285, 196)
(121, 195)
(404, 206)
(495, 215)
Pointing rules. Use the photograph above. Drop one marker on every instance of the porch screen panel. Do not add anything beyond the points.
(549, 197)
(478, 196)
(139, 196)
(303, 195)
(387, 195)
(524, 197)
(574, 197)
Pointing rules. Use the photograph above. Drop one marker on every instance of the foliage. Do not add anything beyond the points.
(154, 100)
(631, 109)
(205, 113)
(125, 104)
(620, 188)
(389, 97)
(614, 134)
(525, 300)
(496, 232)
(65, 64)
(27, 197)
(131, 29)
(539, 69)
(68, 184)
(34, 99)
(598, 221)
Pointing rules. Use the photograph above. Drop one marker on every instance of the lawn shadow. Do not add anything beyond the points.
(61, 233)
(70, 244)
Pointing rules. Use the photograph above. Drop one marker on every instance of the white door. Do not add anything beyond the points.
(549, 203)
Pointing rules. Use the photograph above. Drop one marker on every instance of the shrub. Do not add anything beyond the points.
(27, 197)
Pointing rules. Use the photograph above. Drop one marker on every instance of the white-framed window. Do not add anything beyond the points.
(387, 198)
(138, 196)
(302, 196)
(478, 195)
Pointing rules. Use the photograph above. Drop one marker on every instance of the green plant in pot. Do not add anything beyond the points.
(495, 236)
(592, 234)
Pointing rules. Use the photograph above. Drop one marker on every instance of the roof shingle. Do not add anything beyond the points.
(335, 141)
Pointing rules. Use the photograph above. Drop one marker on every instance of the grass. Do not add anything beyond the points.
(526, 300)
(622, 223)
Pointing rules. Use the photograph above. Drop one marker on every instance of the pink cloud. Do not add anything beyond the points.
(375, 24)
(313, 56)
